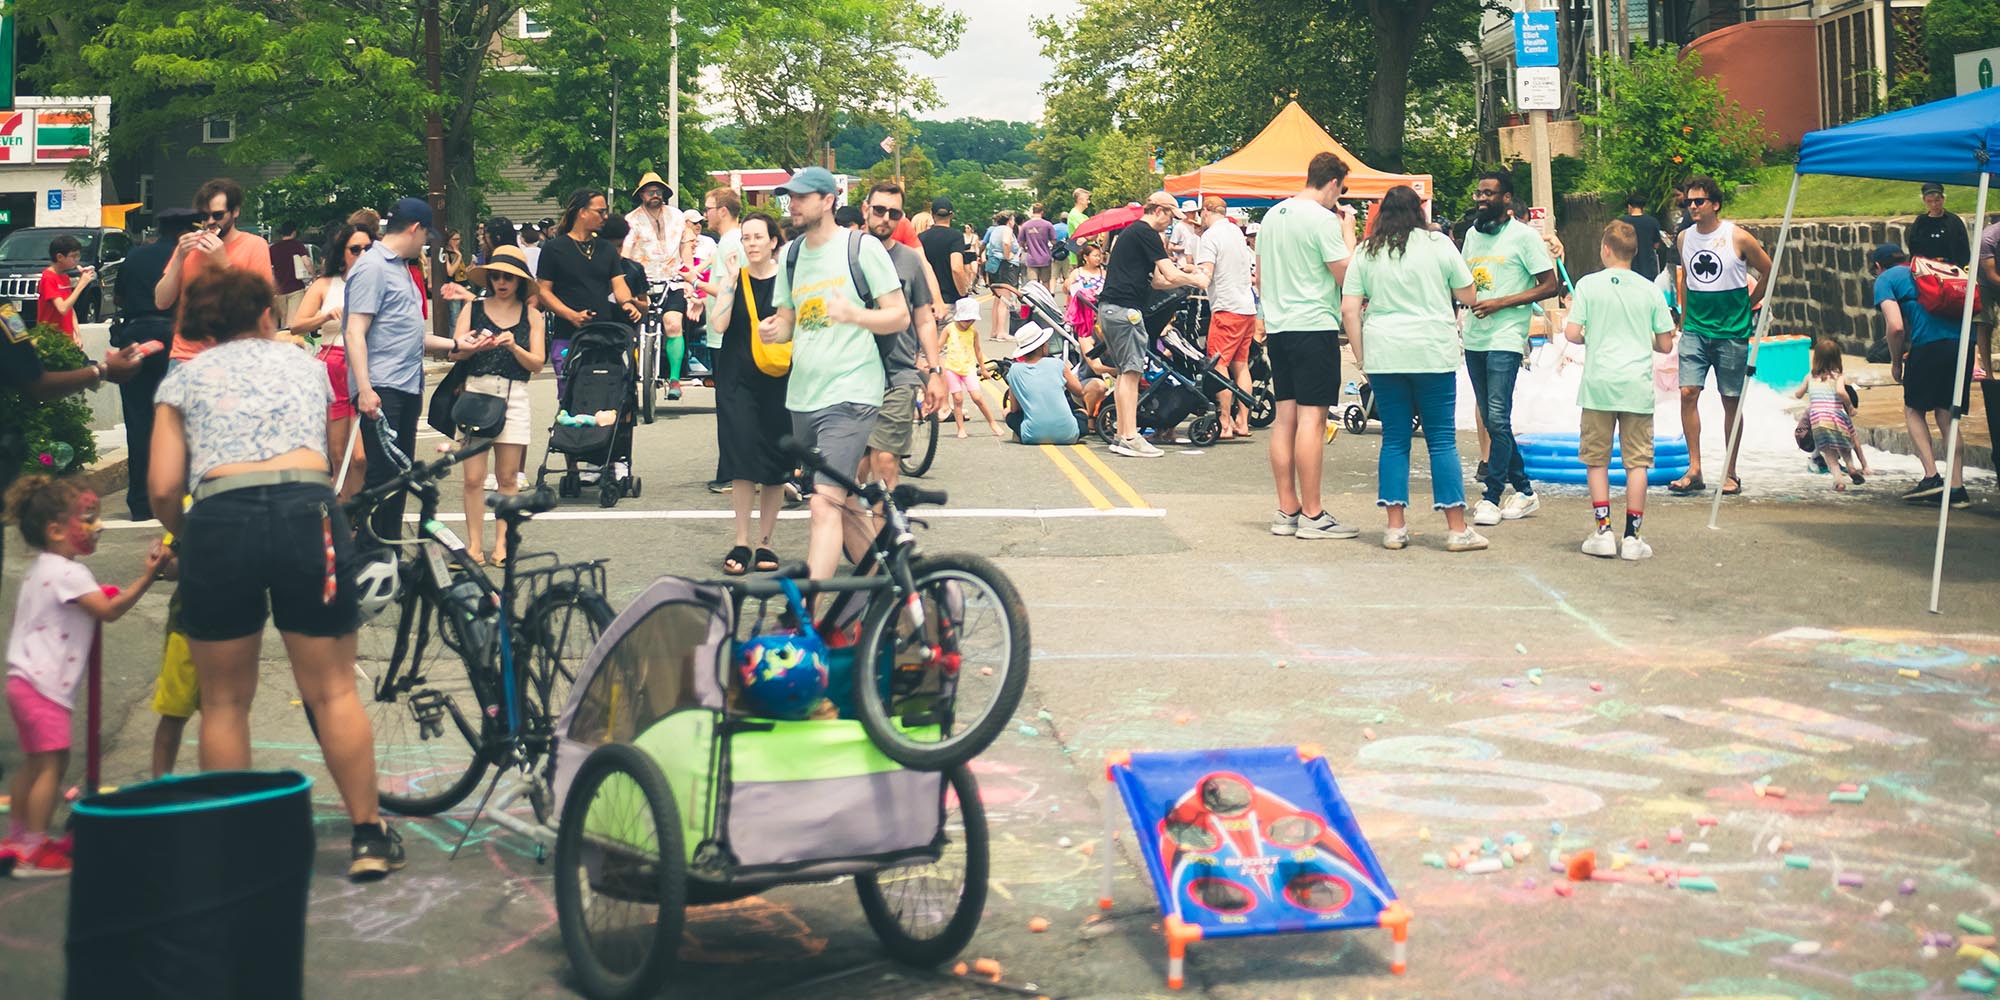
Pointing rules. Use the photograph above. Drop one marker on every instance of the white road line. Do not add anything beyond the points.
(990, 513)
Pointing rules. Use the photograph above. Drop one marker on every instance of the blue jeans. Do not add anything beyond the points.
(1432, 396)
(1493, 375)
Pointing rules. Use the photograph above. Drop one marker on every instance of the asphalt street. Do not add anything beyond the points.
(1687, 716)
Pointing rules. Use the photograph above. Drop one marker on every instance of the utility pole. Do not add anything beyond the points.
(1538, 135)
(611, 175)
(674, 104)
(434, 146)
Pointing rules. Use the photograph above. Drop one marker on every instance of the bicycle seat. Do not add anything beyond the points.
(522, 504)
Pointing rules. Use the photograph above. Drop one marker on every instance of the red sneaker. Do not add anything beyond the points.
(65, 843)
(45, 861)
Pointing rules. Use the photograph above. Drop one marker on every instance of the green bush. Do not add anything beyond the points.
(1660, 120)
(1951, 27)
(56, 427)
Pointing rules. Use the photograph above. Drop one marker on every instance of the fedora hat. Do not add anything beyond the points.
(652, 177)
(508, 260)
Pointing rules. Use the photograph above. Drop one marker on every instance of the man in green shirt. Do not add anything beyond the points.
(1511, 271)
(1627, 321)
(1080, 211)
(836, 385)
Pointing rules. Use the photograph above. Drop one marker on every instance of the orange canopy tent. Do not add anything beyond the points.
(1272, 166)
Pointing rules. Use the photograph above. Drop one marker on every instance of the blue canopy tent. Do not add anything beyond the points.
(1950, 142)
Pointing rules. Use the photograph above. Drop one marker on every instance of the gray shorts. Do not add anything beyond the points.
(1124, 337)
(840, 434)
(896, 427)
(1727, 356)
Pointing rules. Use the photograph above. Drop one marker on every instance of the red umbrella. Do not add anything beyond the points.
(1107, 221)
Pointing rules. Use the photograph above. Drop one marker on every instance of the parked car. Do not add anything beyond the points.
(24, 255)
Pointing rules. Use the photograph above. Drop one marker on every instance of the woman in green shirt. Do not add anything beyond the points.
(1407, 341)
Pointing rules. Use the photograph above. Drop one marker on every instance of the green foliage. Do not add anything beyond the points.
(975, 195)
(1660, 120)
(1121, 171)
(1440, 143)
(65, 421)
(316, 197)
(985, 141)
(918, 185)
(1954, 26)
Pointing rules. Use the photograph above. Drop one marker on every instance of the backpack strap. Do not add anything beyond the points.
(792, 262)
(854, 274)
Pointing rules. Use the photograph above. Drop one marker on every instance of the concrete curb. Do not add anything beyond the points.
(109, 473)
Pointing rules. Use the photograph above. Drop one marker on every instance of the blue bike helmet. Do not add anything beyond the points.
(784, 674)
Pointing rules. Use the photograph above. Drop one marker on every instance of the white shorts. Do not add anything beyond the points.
(520, 421)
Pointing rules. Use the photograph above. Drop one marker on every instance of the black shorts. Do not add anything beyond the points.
(257, 552)
(1927, 375)
(675, 302)
(1305, 366)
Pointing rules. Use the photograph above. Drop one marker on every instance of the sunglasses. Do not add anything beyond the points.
(1692, 202)
(893, 214)
(218, 216)
(356, 248)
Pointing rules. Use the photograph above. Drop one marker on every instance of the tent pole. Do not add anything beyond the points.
(1958, 401)
(1734, 439)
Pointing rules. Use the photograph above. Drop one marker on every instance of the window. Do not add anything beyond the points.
(531, 28)
(214, 130)
(145, 192)
(116, 246)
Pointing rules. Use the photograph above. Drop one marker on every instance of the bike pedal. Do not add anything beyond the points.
(428, 708)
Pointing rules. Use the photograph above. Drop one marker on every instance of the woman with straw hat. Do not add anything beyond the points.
(508, 348)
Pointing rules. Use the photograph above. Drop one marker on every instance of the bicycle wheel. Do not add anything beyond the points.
(562, 626)
(953, 683)
(621, 875)
(925, 914)
(923, 447)
(649, 369)
(422, 709)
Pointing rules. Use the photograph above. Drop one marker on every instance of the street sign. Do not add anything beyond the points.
(1537, 213)
(1535, 39)
(1538, 88)
(1975, 69)
(6, 216)
(55, 199)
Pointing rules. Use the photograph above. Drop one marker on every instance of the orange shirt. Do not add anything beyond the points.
(245, 252)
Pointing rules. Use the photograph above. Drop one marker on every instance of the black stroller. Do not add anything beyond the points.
(598, 379)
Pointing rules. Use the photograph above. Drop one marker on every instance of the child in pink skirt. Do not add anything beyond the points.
(54, 639)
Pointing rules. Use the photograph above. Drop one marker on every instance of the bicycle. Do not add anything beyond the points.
(923, 445)
(942, 655)
(437, 732)
(651, 338)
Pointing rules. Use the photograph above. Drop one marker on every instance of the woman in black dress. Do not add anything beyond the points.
(750, 409)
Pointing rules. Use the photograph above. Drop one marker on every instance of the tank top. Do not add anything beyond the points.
(498, 361)
(336, 295)
(1718, 283)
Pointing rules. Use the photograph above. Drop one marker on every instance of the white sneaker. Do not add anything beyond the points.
(492, 484)
(1135, 447)
(1464, 541)
(1324, 526)
(1520, 505)
(1634, 549)
(1284, 525)
(1395, 538)
(1601, 543)
(1486, 513)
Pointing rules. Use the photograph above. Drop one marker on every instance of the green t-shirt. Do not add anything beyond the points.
(1620, 313)
(1298, 239)
(832, 362)
(1504, 264)
(1077, 217)
(1409, 325)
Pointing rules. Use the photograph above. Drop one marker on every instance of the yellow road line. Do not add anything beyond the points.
(1076, 478)
(1118, 484)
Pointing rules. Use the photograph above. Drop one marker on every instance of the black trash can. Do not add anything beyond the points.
(192, 887)
(1990, 389)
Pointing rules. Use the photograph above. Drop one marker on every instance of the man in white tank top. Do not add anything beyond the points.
(1716, 308)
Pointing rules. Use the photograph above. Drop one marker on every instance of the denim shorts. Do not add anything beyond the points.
(1729, 357)
(257, 553)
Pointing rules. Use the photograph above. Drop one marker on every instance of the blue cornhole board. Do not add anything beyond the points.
(1249, 841)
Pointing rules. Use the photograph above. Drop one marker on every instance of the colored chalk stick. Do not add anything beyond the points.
(1973, 925)
(1699, 884)
(1850, 798)
(1850, 879)
(1434, 860)
(1907, 672)
(1977, 983)
(1990, 962)
(1797, 861)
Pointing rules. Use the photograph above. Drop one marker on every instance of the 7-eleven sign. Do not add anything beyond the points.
(15, 143)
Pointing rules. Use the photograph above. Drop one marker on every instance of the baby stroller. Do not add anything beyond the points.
(598, 380)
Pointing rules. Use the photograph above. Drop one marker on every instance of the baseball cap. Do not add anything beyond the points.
(692, 216)
(967, 309)
(408, 210)
(941, 206)
(1886, 256)
(811, 180)
(1933, 188)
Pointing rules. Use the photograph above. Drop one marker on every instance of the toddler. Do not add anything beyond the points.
(1829, 416)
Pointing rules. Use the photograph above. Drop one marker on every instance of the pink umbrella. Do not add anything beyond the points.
(1107, 221)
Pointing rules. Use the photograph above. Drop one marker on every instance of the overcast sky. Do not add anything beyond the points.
(998, 69)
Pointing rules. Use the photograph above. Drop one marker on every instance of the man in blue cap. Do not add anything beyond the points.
(837, 380)
(1926, 372)
(386, 337)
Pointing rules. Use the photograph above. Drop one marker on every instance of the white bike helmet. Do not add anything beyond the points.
(375, 585)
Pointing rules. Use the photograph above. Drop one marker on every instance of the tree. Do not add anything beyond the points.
(1121, 171)
(1661, 120)
(918, 186)
(798, 66)
(975, 194)
(1954, 26)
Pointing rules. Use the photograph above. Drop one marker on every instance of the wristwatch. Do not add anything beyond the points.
(103, 372)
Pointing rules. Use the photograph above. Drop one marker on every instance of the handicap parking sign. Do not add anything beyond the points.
(55, 199)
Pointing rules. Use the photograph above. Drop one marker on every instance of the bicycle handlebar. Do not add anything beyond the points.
(412, 473)
(523, 505)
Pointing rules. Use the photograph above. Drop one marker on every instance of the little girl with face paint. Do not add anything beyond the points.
(56, 623)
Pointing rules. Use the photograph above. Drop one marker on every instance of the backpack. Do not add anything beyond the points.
(1941, 287)
(854, 238)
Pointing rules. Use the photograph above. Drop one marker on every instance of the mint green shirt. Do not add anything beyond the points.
(1298, 239)
(832, 362)
(1504, 264)
(1409, 325)
(1620, 313)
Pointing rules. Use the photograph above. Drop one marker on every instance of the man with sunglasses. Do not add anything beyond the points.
(1717, 307)
(216, 242)
(1139, 265)
(911, 361)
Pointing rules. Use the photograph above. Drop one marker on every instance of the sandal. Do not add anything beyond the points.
(1687, 486)
(499, 560)
(477, 558)
(737, 562)
(1858, 478)
(1726, 491)
(766, 560)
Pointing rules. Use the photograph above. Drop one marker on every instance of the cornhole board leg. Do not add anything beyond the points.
(1113, 805)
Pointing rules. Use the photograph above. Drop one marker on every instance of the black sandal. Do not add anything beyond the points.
(1687, 487)
(766, 560)
(737, 562)
(1726, 491)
